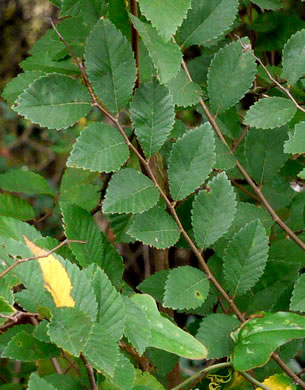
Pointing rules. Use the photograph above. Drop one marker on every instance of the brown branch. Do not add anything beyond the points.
(268, 207)
(24, 260)
(90, 372)
(57, 366)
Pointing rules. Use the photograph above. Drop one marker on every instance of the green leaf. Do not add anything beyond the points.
(13, 206)
(153, 115)
(70, 7)
(129, 191)
(26, 348)
(192, 159)
(37, 383)
(101, 350)
(18, 180)
(154, 285)
(77, 187)
(92, 10)
(70, 329)
(207, 21)
(18, 84)
(80, 225)
(165, 56)
(214, 332)
(186, 288)
(164, 361)
(213, 211)
(110, 65)
(99, 148)
(296, 142)
(47, 103)
(73, 31)
(275, 329)
(15, 229)
(297, 302)
(167, 21)
(137, 328)
(111, 311)
(166, 335)
(185, 92)
(264, 163)
(293, 54)
(146, 381)
(245, 258)
(124, 374)
(231, 74)
(224, 158)
(155, 227)
(43, 63)
(270, 112)
(268, 4)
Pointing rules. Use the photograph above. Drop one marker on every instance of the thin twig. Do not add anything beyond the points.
(90, 372)
(199, 373)
(254, 381)
(285, 90)
(57, 366)
(24, 260)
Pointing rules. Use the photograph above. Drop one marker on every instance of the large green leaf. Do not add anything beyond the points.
(296, 142)
(124, 374)
(156, 228)
(18, 84)
(167, 21)
(110, 65)
(165, 56)
(80, 225)
(270, 112)
(213, 211)
(43, 63)
(186, 288)
(92, 10)
(154, 285)
(231, 74)
(13, 206)
(293, 54)
(129, 191)
(102, 350)
(137, 328)
(258, 338)
(25, 347)
(245, 258)
(207, 21)
(99, 148)
(268, 4)
(167, 336)
(153, 115)
(74, 32)
(192, 159)
(185, 92)
(214, 332)
(264, 162)
(37, 383)
(18, 180)
(78, 187)
(297, 302)
(47, 102)
(111, 311)
(70, 329)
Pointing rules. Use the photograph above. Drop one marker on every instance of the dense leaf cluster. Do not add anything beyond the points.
(198, 149)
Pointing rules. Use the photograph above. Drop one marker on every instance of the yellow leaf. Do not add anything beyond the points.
(56, 278)
(279, 382)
